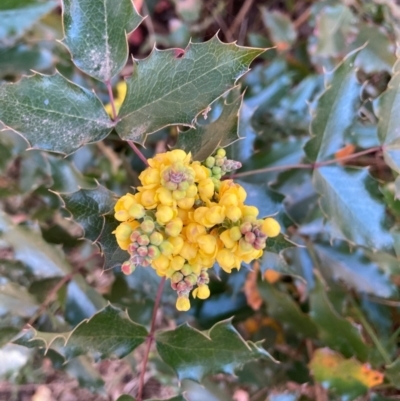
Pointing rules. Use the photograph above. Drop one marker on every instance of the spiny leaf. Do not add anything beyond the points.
(203, 140)
(113, 254)
(351, 201)
(334, 330)
(17, 16)
(95, 34)
(335, 112)
(52, 113)
(346, 377)
(168, 90)
(283, 308)
(88, 207)
(110, 332)
(388, 125)
(278, 244)
(194, 354)
(354, 269)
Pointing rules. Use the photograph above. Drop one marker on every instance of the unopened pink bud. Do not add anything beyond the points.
(177, 277)
(148, 226)
(250, 237)
(153, 252)
(143, 240)
(135, 235)
(128, 267)
(245, 228)
(142, 251)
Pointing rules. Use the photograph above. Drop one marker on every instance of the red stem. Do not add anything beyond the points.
(138, 152)
(150, 339)
(308, 166)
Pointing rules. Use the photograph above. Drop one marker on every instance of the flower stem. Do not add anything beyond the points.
(149, 340)
(138, 152)
(309, 165)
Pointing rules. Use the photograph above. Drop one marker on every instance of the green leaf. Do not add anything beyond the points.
(7, 334)
(87, 375)
(203, 140)
(88, 207)
(278, 244)
(22, 59)
(286, 311)
(168, 90)
(334, 330)
(17, 16)
(110, 332)
(397, 188)
(52, 113)
(281, 29)
(334, 24)
(335, 112)
(360, 222)
(354, 269)
(346, 377)
(392, 372)
(194, 354)
(389, 103)
(95, 34)
(113, 254)
(66, 177)
(15, 299)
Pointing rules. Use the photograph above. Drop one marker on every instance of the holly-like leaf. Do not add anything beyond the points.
(17, 16)
(354, 269)
(23, 58)
(393, 373)
(88, 207)
(335, 112)
(52, 113)
(168, 90)
(283, 308)
(278, 244)
(110, 332)
(334, 330)
(203, 140)
(113, 254)
(15, 299)
(280, 27)
(347, 377)
(360, 222)
(95, 34)
(388, 133)
(194, 354)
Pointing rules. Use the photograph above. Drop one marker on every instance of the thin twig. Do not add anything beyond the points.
(112, 102)
(150, 339)
(239, 18)
(138, 152)
(51, 295)
(302, 18)
(309, 165)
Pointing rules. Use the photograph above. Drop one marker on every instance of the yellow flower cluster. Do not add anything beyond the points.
(183, 219)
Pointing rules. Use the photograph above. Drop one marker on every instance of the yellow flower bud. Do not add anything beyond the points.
(216, 215)
(161, 263)
(235, 233)
(178, 155)
(177, 263)
(165, 196)
(207, 243)
(121, 215)
(183, 215)
(149, 178)
(182, 304)
(148, 198)
(174, 227)
(188, 251)
(124, 202)
(185, 203)
(234, 213)
(229, 199)
(164, 214)
(137, 211)
(249, 211)
(166, 248)
(225, 237)
(178, 195)
(206, 189)
(201, 172)
(193, 231)
(177, 243)
(270, 227)
(226, 260)
(191, 192)
(202, 292)
(123, 231)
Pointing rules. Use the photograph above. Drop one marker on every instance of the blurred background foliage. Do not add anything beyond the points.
(328, 310)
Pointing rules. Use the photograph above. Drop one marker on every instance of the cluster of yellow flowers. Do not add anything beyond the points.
(183, 219)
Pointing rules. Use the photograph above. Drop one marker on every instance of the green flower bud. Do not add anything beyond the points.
(216, 170)
(221, 152)
(148, 226)
(210, 161)
(186, 270)
(156, 238)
